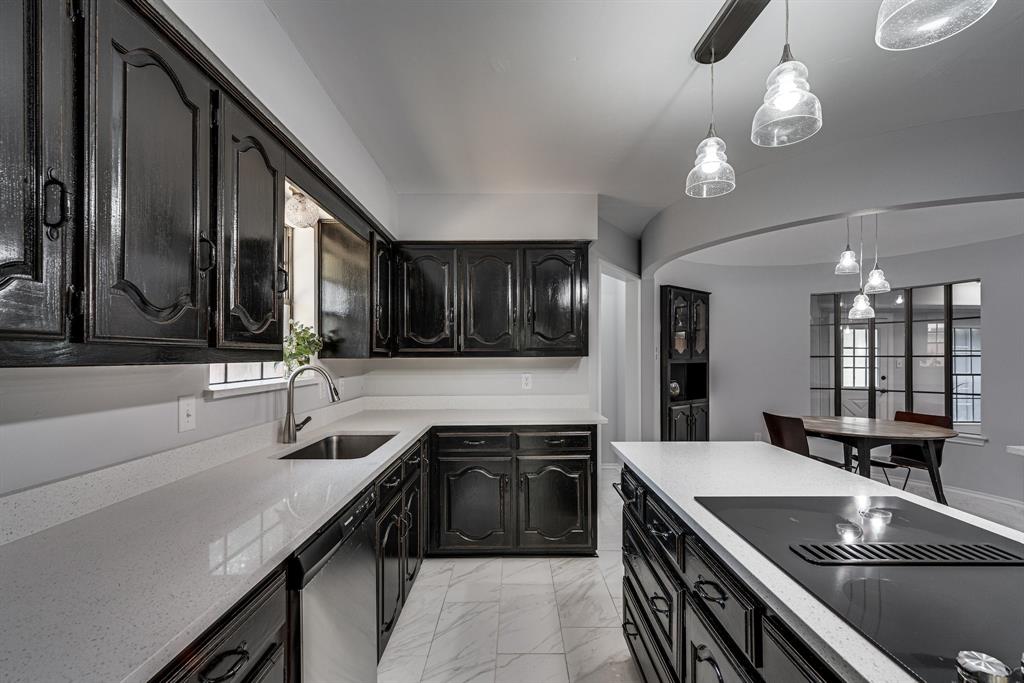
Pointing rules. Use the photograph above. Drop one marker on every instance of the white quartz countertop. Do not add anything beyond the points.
(115, 594)
(678, 472)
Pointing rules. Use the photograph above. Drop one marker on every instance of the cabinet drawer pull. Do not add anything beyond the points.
(62, 203)
(654, 531)
(242, 655)
(392, 482)
(719, 599)
(630, 553)
(284, 277)
(404, 524)
(478, 442)
(666, 610)
(625, 629)
(703, 654)
(554, 442)
(618, 489)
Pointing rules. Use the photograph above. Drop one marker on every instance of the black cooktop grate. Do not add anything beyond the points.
(906, 554)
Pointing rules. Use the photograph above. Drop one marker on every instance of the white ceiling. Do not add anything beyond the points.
(899, 232)
(453, 96)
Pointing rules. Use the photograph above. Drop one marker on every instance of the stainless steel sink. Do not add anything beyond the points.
(340, 447)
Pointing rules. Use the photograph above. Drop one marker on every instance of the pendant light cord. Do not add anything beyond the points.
(787, 22)
(876, 242)
(860, 271)
(712, 86)
(847, 233)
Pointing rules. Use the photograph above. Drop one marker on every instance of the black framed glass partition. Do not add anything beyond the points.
(921, 352)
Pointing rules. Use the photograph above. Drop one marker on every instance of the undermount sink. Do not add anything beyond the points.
(340, 447)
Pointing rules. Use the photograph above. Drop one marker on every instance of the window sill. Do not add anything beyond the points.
(258, 386)
(968, 439)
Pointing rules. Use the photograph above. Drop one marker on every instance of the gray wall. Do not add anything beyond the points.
(612, 349)
(616, 247)
(760, 347)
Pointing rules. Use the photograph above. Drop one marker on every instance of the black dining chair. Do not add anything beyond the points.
(789, 433)
(912, 456)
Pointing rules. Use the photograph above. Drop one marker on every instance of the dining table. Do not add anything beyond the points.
(866, 433)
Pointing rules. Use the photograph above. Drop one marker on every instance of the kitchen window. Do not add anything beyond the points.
(922, 352)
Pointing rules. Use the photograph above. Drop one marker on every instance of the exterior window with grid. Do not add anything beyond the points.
(966, 374)
(229, 373)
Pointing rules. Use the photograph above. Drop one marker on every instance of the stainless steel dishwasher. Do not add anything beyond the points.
(334, 584)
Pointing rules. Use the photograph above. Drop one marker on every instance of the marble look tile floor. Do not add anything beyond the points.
(516, 620)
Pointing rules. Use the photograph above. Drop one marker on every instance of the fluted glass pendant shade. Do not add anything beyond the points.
(848, 264)
(910, 24)
(711, 176)
(861, 309)
(300, 211)
(790, 112)
(876, 284)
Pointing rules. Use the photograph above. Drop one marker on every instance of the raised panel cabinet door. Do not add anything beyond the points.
(250, 232)
(554, 502)
(149, 248)
(390, 571)
(475, 507)
(383, 294)
(679, 418)
(699, 422)
(412, 506)
(426, 290)
(555, 300)
(36, 173)
(489, 299)
(699, 322)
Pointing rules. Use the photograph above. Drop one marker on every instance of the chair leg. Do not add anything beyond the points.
(847, 457)
(885, 474)
(933, 472)
(907, 480)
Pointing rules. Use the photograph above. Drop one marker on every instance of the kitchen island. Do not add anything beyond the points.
(662, 484)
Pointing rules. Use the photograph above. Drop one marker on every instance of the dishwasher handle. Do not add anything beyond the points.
(304, 565)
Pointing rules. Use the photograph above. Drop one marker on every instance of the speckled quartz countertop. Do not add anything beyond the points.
(115, 594)
(678, 472)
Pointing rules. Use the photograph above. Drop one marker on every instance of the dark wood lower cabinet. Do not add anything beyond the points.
(688, 422)
(555, 505)
(687, 617)
(390, 571)
(474, 502)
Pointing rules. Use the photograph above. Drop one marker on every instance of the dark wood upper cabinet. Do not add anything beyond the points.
(344, 291)
(250, 232)
(488, 299)
(473, 502)
(426, 286)
(679, 342)
(555, 299)
(148, 247)
(554, 501)
(699, 325)
(36, 167)
(383, 296)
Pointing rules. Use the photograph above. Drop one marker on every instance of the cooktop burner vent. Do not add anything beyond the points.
(906, 554)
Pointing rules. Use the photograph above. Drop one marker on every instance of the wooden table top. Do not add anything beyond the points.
(867, 427)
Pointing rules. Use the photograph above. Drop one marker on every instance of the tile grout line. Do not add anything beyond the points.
(561, 631)
(433, 633)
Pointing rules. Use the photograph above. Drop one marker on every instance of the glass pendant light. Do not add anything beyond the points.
(876, 284)
(711, 176)
(910, 24)
(300, 211)
(790, 112)
(861, 308)
(848, 259)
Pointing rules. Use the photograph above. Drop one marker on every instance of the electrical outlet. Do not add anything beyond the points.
(527, 381)
(186, 413)
(757, 436)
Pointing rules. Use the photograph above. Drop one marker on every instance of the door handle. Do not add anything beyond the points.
(719, 599)
(651, 529)
(625, 629)
(211, 254)
(468, 442)
(653, 599)
(242, 655)
(284, 276)
(618, 489)
(392, 482)
(52, 227)
(704, 655)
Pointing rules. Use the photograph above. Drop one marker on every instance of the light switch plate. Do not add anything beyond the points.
(186, 413)
(527, 381)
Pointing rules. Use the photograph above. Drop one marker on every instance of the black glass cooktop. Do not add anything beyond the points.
(921, 615)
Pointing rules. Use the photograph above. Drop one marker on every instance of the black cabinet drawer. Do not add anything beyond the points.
(659, 596)
(647, 656)
(473, 442)
(725, 598)
(389, 485)
(553, 441)
(632, 493)
(785, 658)
(250, 643)
(665, 533)
(412, 463)
(708, 658)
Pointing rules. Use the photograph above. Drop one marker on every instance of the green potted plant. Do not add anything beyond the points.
(301, 344)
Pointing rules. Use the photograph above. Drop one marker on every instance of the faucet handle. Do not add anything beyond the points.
(303, 423)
